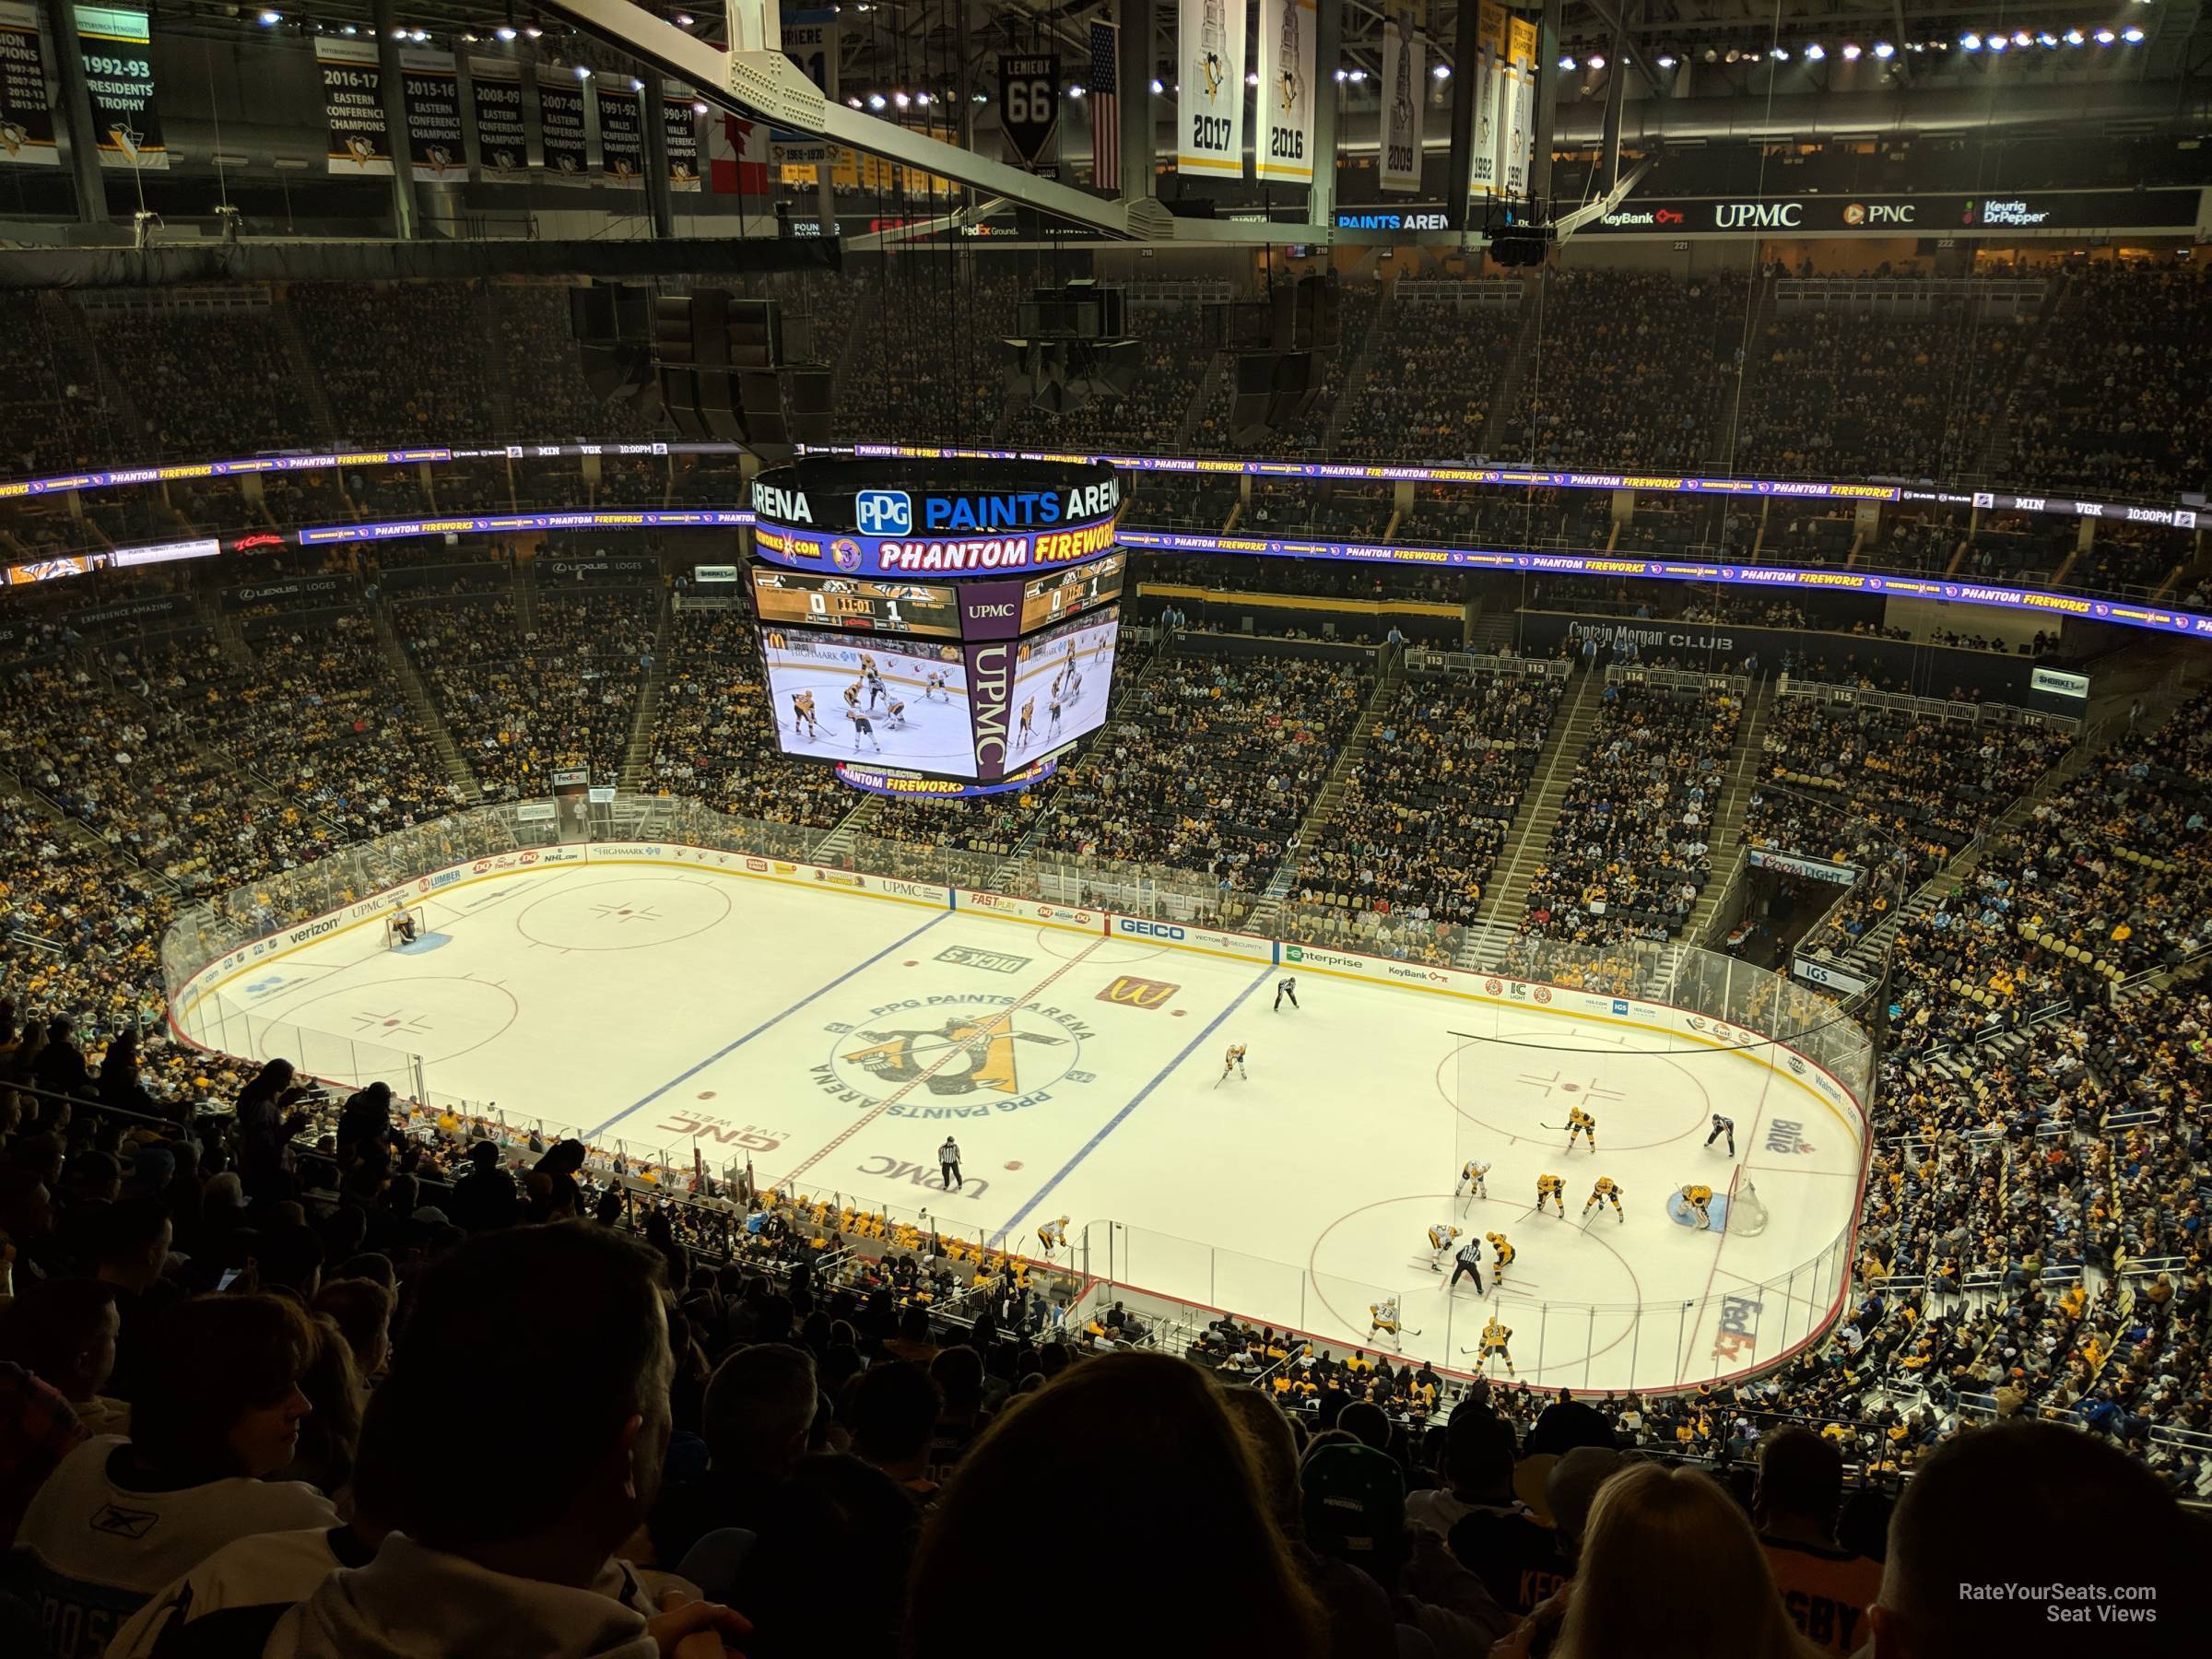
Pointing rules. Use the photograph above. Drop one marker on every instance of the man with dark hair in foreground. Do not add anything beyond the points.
(506, 1542)
(2025, 1539)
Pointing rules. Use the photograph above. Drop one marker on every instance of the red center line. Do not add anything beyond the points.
(907, 1088)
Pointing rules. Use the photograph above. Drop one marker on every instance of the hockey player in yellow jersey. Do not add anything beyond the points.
(1440, 1244)
(1470, 1179)
(1504, 1251)
(1491, 1341)
(1605, 1191)
(1699, 1202)
(1579, 1123)
(1551, 1188)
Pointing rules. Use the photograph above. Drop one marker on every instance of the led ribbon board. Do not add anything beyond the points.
(936, 516)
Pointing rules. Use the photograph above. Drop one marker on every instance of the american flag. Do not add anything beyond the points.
(1105, 107)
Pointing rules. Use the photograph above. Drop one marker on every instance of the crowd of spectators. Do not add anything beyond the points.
(1935, 783)
(2106, 397)
(1210, 765)
(253, 404)
(1426, 807)
(523, 704)
(714, 733)
(1631, 849)
(1843, 393)
(1624, 369)
(1434, 369)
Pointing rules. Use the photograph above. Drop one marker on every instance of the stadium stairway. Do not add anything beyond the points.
(309, 382)
(499, 376)
(422, 705)
(1867, 953)
(78, 342)
(62, 827)
(1356, 374)
(1727, 842)
(1720, 451)
(637, 756)
(1496, 439)
(1507, 901)
(1331, 791)
(1212, 390)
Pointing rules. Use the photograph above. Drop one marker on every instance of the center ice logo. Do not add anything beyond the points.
(955, 1056)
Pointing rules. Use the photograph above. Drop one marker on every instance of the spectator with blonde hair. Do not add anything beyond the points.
(1670, 1569)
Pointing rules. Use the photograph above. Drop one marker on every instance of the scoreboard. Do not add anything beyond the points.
(1085, 587)
(956, 617)
(812, 600)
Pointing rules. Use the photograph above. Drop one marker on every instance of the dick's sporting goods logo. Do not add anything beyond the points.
(1137, 993)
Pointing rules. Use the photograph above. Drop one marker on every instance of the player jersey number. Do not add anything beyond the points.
(1030, 101)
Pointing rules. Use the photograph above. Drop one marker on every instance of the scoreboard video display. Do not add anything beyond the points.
(976, 673)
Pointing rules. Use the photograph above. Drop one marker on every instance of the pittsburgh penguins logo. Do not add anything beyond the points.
(959, 1057)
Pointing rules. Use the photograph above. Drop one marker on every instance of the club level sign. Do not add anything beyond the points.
(1028, 107)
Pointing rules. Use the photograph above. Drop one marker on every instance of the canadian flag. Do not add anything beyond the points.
(736, 154)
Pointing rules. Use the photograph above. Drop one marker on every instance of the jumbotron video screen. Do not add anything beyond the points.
(906, 701)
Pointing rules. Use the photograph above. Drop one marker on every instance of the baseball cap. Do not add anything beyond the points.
(1353, 1501)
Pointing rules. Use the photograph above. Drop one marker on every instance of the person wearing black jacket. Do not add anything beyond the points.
(485, 1199)
(268, 1120)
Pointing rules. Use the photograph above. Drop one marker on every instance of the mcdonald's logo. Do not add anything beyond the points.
(1138, 993)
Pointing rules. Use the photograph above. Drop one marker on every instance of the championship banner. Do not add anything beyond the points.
(1028, 107)
(679, 133)
(1518, 127)
(1284, 62)
(1404, 92)
(431, 86)
(495, 88)
(119, 77)
(1210, 109)
(353, 106)
(561, 128)
(1489, 87)
(621, 134)
(25, 116)
(810, 41)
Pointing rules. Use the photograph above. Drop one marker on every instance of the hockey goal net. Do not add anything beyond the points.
(1745, 1214)
(396, 934)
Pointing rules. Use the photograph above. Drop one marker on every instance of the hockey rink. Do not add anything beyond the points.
(837, 1039)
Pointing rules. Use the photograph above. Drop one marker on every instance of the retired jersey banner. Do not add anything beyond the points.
(1490, 86)
(1405, 93)
(1029, 106)
(679, 133)
(1518, 129)
(432, 89)
(495, 96)
(1284, 61)
(561, 128)
(353, 106)
(25, 116)
(621, 134)
(116, 47)
(1210, 111)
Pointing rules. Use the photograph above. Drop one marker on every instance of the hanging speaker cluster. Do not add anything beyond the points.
(1282, 345)
(1073, 347)
(724, 368)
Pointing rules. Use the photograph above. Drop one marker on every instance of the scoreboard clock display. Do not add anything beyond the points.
(930, 610)
(1070, 591)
